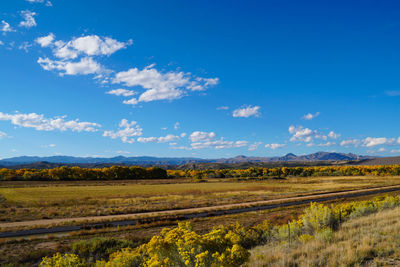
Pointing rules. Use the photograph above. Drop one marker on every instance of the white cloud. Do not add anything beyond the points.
(376, 141)
(29, 20)
(48, 3)
(132, 101)
(86, 46)
(5, 27)
(160, 86)
(45, 41)
(310, 116)
(371, 142)
(202, 140)
(223, 108)
(40, 123)
(85, 66)
(147, 139)
(90, 45)
(333, 135)
(94, 45)
(395, 151)
(162, 139)
(327, 144)
(246, 112)
(302, 134)
(275, 146)
(181, 147)
(122, 152)
(168, 138)
(121, 92)
(2, 135)
(382, 149)
(254, 146)
(350, 142)
(202, 136)
(200, 84)
(24, 46)
(126, 131)
(183, 135)
(176, 125)
(218, 144)
(1, 43)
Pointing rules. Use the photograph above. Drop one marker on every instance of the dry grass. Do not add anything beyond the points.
(368, 241)
(43, 200)
(29, 250)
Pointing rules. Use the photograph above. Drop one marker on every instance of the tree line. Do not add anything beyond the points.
(136, 173)
(76, 173)
(281, 172)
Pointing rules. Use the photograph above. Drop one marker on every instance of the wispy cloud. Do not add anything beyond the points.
(85, 48)
(47, 2)
(202, 136)
(303, 134)
(40, 123)
(376, 141)
(5, 27)
(121, 92)
(126, 131)
(29, 19)
(162, 139)
(371, 142)
(246, 112)
(254, 146)
(162, 86)
(275, 146)
(85, 66)
(310, 116)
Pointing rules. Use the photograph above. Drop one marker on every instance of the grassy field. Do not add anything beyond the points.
(41, 200)
(373, 240)
(30, 250)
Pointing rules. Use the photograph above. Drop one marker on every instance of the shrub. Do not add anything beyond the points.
(304, 238)
(318, 217)
(99, 248)
(325, 234)
(363, 209)
(62, 260)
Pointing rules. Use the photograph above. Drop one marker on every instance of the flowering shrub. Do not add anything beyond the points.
(226, 245)
(182, 246)
(318, 217)
(62, 260)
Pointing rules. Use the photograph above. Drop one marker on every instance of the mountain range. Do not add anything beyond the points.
(144, 160)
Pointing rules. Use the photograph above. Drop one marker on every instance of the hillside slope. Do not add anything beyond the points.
(380, 161)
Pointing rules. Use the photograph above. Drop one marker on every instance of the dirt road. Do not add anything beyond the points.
(80, 223)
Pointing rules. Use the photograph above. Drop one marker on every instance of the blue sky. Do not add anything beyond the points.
(199, 78)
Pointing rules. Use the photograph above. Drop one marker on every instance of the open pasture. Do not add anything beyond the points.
(40, 200)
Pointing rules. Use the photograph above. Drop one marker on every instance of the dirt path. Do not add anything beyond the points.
(202, 212)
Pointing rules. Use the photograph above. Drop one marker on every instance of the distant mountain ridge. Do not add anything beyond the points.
(319, 156)
(147, 160)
